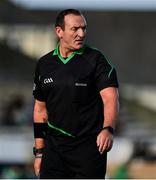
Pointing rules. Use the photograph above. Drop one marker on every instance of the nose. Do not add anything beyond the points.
(81, 32)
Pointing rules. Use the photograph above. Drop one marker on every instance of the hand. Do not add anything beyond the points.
(104, 141)
(37, 165)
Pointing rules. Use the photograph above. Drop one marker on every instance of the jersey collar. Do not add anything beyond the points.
(57, 52)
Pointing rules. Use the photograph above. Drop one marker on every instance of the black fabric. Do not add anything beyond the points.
(63, 158)
(105, 73)
(71, 91)
(37, 89)
(40, 130)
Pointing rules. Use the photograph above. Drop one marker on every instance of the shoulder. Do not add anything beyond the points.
(94, 52)
(43, 59)
(98, 57)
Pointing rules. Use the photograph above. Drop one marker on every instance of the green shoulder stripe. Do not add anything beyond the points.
(108, 60)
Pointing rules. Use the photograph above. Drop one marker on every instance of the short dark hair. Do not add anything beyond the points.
(60, 17)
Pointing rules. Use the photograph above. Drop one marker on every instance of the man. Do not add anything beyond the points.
(75, 90)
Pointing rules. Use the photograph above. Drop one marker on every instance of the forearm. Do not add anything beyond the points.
(40, 112)
(39, 143)
(111, 109)
(111, 106)
(40, 116)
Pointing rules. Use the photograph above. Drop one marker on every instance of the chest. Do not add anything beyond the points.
(71, 82)
(77, 73)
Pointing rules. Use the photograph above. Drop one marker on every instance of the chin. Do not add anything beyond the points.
(78, 46)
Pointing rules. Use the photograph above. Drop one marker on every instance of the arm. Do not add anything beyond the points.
(111, 106)
(40, 116)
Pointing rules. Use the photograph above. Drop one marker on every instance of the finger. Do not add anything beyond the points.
(37, 164)
(105, 145)
(36, 174)
(110, 144)
(97, 141)
(37, 170)
(101, 145)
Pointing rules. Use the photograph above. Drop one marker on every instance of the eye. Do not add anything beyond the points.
(84, 28)
(74, 29)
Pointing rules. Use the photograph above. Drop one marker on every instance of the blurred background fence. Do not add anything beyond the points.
(127, 37)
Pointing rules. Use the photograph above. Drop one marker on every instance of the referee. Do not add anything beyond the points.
(76, 105)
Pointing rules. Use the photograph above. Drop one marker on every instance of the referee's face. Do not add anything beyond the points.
(73, 35)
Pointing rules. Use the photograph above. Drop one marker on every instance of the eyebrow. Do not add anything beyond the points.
(79, 26)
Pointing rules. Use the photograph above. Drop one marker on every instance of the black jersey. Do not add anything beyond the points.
(70, 87)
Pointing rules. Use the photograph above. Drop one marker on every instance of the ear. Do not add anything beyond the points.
(59, 31)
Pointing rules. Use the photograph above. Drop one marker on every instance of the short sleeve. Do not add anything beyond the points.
(37, 88)
(105, 75)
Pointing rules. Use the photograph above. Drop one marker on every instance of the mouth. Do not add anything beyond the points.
(80, 41)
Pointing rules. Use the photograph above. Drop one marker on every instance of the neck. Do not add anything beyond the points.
(65, 52)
